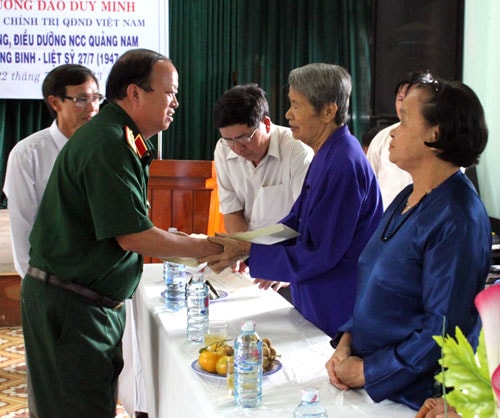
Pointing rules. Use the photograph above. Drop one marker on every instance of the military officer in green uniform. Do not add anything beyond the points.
(89, 239)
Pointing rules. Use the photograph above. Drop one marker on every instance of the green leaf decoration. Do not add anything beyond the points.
(468, 376)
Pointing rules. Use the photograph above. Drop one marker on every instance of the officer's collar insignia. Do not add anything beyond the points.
(137, 144)
(141, 146)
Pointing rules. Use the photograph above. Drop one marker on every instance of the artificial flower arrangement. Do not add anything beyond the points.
(474, 378)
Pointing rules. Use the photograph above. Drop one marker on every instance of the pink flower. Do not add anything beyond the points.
(495, 382)
(488, 304)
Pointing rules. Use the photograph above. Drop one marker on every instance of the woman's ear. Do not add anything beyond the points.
(435, 134)
(330, 111)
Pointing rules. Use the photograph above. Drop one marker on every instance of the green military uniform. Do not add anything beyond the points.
(97, 191)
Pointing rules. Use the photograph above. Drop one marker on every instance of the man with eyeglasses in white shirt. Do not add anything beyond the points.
(260, 166)
(71, 93)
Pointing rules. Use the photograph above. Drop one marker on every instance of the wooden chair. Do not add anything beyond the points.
(183, 194)
(10, 300)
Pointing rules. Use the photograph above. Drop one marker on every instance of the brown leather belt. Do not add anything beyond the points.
(88, 294)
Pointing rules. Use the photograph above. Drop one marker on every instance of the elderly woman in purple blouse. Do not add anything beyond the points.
(336, 213)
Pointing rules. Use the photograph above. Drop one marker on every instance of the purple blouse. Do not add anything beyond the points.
(336, 213)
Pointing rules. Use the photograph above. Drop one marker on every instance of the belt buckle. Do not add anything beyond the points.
(118, 306)
(45, 276)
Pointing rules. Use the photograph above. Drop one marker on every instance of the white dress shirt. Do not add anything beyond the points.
(390, 177)
(267, 192)
(28, 169)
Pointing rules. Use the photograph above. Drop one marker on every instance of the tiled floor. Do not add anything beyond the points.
(13, 398)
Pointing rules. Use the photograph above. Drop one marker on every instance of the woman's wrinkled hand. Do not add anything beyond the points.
(350, 373)
(270, 284)
(336, 358)
(240, 267)
(234, 251)
(339, 363)
(435, 408)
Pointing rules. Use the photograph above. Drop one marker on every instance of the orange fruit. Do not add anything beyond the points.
(208, 360)
(212, 347)
(221, 365)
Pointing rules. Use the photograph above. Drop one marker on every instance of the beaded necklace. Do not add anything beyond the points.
(385, 236)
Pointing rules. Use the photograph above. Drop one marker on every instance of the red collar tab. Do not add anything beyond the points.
(136, 143)
(139, 146)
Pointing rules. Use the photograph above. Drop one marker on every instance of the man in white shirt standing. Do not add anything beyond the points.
(391, 178)
(260, 166)
(71, 93)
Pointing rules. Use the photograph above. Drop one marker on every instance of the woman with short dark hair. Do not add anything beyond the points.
(429, 257)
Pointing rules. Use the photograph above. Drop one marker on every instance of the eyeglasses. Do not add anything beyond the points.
(436, 84)
(241, 139)
(84, 101)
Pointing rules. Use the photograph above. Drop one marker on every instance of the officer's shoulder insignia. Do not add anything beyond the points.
(129, 137)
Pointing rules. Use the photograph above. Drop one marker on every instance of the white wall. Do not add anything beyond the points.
(482, 74)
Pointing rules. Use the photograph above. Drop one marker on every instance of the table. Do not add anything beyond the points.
(174, 389)
(131, 391)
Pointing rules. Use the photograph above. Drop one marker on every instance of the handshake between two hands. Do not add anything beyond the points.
(236, 247)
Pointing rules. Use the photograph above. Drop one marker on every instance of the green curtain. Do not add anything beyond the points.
(203, 43)
(218, 43)
(278, 36)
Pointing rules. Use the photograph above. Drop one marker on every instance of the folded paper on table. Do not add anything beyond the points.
(268, 235)
(227, 280)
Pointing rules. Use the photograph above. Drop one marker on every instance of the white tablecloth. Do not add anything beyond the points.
(174, 389)
(131, 392)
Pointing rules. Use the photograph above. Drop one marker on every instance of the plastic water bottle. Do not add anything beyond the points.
(174, 275)
(197, 302)
(175, 283)
(248, 367)
(310, 407)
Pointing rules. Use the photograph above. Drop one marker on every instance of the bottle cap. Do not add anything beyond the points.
(248, 326)
(196, 277)
(310, 394)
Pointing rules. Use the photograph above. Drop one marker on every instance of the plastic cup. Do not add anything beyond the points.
(216, 332)
(230, 375)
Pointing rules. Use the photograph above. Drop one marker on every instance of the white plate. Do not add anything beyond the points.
(222, 295)
(196, 367)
